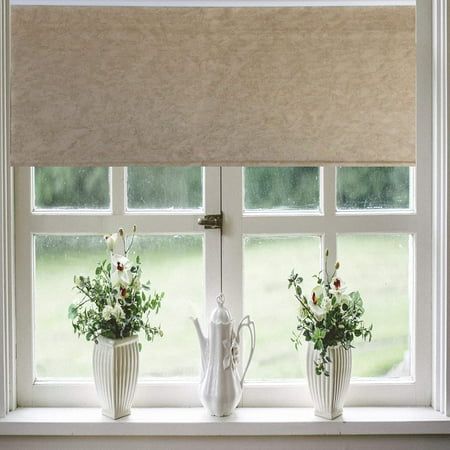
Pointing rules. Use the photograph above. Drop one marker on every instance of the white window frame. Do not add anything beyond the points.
(441, 251)
(327, 224)
(324, 223)
(31, 221)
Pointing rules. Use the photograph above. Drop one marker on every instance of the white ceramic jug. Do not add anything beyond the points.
(221, 383)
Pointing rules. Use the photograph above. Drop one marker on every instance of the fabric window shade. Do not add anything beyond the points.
(213, 86)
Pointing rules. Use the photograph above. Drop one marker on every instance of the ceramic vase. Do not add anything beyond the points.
(116, 366)
(328, 393)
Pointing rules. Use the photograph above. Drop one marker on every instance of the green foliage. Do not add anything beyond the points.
(180, 187)
(164, 187)
(328, 317)
(373, 187)
(71, 187)
(275, 187)
(114, 303)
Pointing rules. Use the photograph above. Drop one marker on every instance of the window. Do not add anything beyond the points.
(61, 234)
(374, 220)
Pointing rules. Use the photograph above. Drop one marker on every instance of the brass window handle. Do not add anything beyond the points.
(211, 221)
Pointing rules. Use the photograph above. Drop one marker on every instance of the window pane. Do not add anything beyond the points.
(71, 188)
(373, 187)
(282, 188)
(58, 351)
(173, 264)
(268, 262)
(165, 187)
(378, 267)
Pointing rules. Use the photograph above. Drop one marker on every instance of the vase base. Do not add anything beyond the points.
(330, 415)
(115, 414)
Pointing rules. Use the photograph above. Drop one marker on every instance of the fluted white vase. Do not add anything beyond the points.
(116, 366)
(328, 393)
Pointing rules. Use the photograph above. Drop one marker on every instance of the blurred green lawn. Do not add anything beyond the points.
(376, 265)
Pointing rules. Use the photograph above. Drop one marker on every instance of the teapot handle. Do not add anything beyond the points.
(246, 322)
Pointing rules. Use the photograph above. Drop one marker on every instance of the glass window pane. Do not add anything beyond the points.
(378, 267)
(373, 188)
(268, 262)
(282, 188)
(173, 264)
(71, 188)
(165, 187)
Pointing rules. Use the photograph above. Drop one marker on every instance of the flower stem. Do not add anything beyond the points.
(131, 243)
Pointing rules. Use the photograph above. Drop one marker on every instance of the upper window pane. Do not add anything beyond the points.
(282, 188)
(165, 187)
(71, 188)
(373, 188)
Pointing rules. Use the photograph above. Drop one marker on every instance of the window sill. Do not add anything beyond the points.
(244, 422)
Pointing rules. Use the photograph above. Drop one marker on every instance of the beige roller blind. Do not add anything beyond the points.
(213, 86)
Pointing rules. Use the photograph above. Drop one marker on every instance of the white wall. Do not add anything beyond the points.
(228, 443)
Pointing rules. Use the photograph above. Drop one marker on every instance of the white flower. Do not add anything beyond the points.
(111, 299)
(341, 297)
(120, 270)
(117, 312)
(315, 302)
(318, 312)
(317, 294)
(78, 281)
(337, 286)
(107, 312)
(326, 304)
(111, 240)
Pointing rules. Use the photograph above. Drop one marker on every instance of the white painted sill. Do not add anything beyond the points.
(244, 422)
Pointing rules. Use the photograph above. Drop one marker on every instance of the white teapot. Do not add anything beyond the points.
(221, 385)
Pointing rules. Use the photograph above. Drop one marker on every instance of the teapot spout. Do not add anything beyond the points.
(203, 341)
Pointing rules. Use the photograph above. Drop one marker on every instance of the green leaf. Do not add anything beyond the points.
(73, 311)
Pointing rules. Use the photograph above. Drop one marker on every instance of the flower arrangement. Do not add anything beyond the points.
(114, 302)
(328, 316)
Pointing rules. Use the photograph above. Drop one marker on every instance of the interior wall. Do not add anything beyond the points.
(228, 443)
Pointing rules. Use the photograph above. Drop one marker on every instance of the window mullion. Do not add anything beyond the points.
(212, 238)
(99, 224)
(328, 181)
(232, 254)
(117, 189)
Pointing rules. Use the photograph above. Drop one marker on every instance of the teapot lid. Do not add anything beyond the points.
(221, 315)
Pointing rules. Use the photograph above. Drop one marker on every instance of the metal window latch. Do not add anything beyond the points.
(211, 221)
